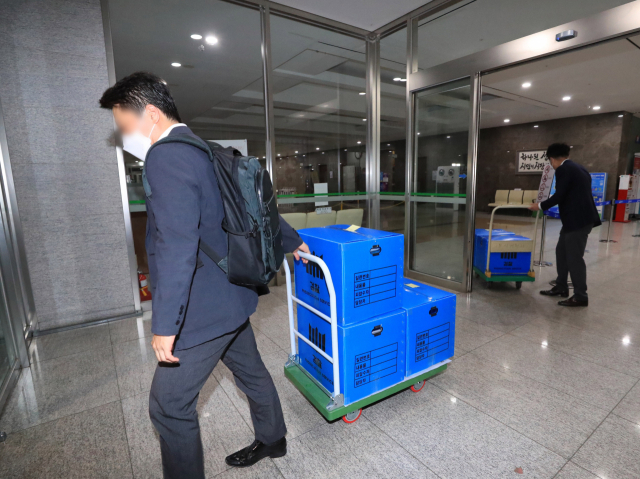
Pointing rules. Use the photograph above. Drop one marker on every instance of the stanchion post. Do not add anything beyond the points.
(608, 240)
(541, 262)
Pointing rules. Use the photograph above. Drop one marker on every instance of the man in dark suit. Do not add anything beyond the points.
(198, 316)
(579, 215)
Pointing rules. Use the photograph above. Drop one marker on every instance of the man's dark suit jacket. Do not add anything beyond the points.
(574, 197)
(191, 295)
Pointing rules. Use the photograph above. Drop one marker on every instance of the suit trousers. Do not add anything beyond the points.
(174, 395)
(570, 260)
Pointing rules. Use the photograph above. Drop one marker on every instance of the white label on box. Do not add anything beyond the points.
(353, 228)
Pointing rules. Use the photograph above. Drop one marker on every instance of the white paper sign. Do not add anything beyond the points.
(545, 182)
(321, 188)
(531, 162)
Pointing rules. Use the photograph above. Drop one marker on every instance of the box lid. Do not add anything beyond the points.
(339, 234)
(494, 232)
(507, 238)
(424, 290)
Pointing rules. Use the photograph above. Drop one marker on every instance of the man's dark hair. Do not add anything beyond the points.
(558, 150)
(137, 91)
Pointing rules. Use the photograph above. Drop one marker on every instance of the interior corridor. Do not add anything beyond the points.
(551, 390)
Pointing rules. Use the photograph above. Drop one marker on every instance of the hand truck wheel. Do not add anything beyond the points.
(352, 417)
(518, 284)
(417, 387)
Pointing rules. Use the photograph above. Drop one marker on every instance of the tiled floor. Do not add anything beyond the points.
(553, 391)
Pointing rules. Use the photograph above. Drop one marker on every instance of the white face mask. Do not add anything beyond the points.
(137, 144)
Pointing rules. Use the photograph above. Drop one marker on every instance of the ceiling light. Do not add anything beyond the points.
(597, 107)
(545, 344)
(535, 126)
(317, 148)
(620, 116)
(626, 340)
(195, 36)
(506, 120)
(345, 149)
(397, 79)
(364, 119)
(263, 157)
(176, 64)
(454, 400)
(362, 93)
(278, 154)
(403, 79)
(418, 133)
(358, 142)
(211, 40)
(526, 85)
(566, 98)
(296, 151)
(388, 144)
(448, 136)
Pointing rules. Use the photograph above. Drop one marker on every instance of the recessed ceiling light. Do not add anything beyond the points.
(211, 40)
(358, 142)
(317, 148)
(535, 126)
(263, 157)
(526, 85)
(620, 116)
(345, 149)
(626, 340)
(506, 120)
(397, 79)
(364, 119)
(448, 136)
(195, 36)
(418, 133)
(176, 64)
(362, 93)
(388, 144)
(597, 107)
(403, 79)
(566, 98)
(296, 151)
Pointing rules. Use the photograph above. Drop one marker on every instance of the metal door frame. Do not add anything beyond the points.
(613, 23)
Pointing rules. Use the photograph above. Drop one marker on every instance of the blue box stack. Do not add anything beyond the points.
(513, 255)
(379, 322)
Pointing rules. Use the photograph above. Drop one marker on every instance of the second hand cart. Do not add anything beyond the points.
(487, 275)
(331, 403)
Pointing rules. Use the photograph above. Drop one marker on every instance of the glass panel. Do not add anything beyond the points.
(7, 351)
(481, 24)
(218, 88)
(393, 130)
(438, 198)
(320, 110)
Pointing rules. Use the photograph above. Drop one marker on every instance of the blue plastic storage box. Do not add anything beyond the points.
(366, 267)
(485, 233)
(511, 254)
(431, 326)
(372, 353)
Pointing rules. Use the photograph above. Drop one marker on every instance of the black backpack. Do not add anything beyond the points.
(251, 218)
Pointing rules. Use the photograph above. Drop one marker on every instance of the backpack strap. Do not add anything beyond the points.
(201, 145)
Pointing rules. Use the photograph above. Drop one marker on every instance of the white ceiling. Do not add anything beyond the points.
(366, 14)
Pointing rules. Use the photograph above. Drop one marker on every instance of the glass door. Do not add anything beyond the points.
(438, 199)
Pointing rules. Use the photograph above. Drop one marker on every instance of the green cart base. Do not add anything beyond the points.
(503, 278)
(350, 413)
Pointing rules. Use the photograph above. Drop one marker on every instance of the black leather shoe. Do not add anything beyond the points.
(257, 451)
(573, 302)
(555, 291)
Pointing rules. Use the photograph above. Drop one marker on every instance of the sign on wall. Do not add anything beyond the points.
(531, 162)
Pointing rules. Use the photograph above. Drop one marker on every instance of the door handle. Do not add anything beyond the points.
(377, 330)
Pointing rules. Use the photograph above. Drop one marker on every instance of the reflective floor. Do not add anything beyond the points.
(552, 391)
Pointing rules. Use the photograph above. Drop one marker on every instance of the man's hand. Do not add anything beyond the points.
(163, 346)
(305, 249)
(534, 206)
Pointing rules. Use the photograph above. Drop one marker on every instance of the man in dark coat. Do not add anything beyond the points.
(198, 316)
(579, 215)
